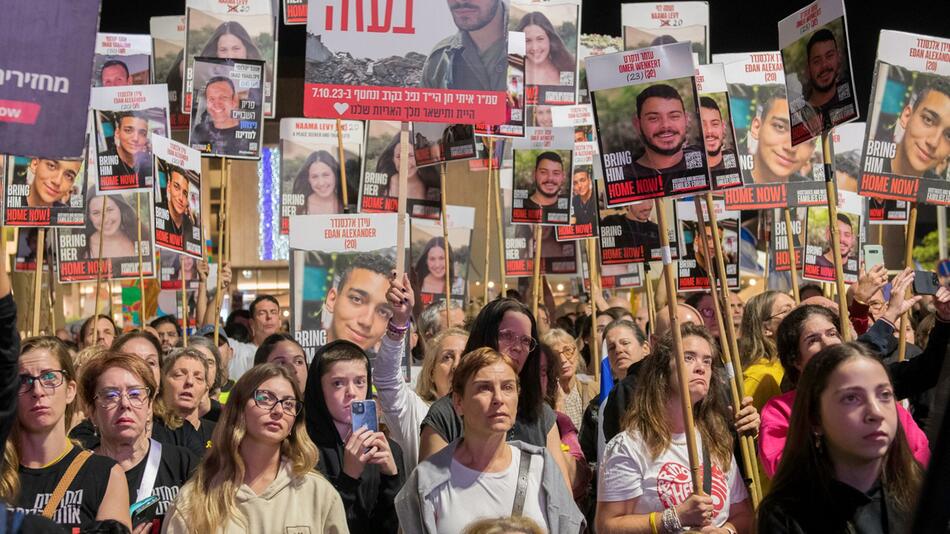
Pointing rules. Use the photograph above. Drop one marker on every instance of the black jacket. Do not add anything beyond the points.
(836, 509)
(9, 364)
(369, 500)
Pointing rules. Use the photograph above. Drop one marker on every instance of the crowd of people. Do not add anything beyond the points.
(503, 430)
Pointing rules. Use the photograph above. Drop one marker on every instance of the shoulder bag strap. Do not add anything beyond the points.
(151, 471)
(60, 491)
(522, 489)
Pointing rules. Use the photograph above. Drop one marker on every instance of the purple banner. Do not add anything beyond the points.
(46, 50)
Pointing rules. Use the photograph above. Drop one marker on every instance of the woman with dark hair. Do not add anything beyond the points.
(507, 326)
(847, 466)
(644, 476)
(117, 227)
(546, 57)
(319, 182)
(281, 348)
(423, 183)
(102, 334)
(230, 41)
(429, 272)
(762, 370)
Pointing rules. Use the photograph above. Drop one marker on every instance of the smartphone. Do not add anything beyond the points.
(873, 255)
(364, 415)
(144, 510)
(926, 283)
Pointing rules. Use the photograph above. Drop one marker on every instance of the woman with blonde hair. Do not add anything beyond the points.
(178, 408)
(577, 390)
(258, 475)
(762, 370)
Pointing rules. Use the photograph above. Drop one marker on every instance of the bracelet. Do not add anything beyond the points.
(671, 521)
(397, 329)
(653, 523)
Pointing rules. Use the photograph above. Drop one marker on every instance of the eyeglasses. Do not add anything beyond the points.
(267, 400)
(508, 337)
(781, 314)
(111, 397)
(567, 351)
(48, 379)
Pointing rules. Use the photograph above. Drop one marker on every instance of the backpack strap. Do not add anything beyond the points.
(50, 509)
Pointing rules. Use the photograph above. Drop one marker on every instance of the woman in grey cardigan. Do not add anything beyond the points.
(481, 475)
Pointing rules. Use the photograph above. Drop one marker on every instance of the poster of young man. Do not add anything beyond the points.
(719, 137)
(819, 258)
(379, 191)
(78, 248)
(177, 197)
(515, 108)
(551, 32)
(168, 44)
(44, 192)
(848, 140)
(225, 30)
(593, 45)
(648, 123)
(908, 130)
(434, 142)
(650, 24)
(170, 267)
(557, 257)
(814, 44)
(227, 118)
(339, 274)
(630, 234)
(26, 247)
(46, 50)
(295, 12)
(125, 120)
(542, 176)
(444, 61)
(428, 260)
(779, 257)
(584, 218)
(775, 174)
(122, 59)
(695, 262)
(310, 171)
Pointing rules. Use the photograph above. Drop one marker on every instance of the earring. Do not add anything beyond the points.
(817, 442)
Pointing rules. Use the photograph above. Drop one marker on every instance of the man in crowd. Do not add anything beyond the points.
(775, 159)
(925, 145)
(548, 181)
(216, 133)
(476, 57)
(357, 304)
(168, 331)
(114, 73)
(661, 123)
(265, 320)
(53, 180)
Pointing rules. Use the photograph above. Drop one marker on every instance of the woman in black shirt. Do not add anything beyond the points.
(184, 383)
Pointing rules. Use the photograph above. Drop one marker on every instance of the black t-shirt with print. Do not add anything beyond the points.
(80, 504)
(174, 469)
(195, 440)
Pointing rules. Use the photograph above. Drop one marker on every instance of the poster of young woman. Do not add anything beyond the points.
(122, 59)
(719, 137)
(310, 171)
(125, 119)
(648, 123)
(542, 180)
(243, 31)
(177, 197)
(227, 118)
(819, 257)
(428, 260)
(380, 187)
(78, 248)
(695, 262)
(170, 275)
(43, 192)
(649, 24)
(168, 44)
(515, 93)
(584, 218)
(434, 142)
(909, 109)
(551, 33)
(339, 274)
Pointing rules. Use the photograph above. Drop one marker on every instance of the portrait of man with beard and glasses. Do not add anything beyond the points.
(476, 57)
(720, 153)
(662, 123)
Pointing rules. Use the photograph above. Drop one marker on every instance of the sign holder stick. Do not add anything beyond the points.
(496, 186)
(832, 197)
(184, 310)
(488, 202)
(536, 277)
(95, 312)
(445, 241)
(38, 280)
(342, 160)
(138, 228)
(403, 186)
(792, 259)
(222, 242)
(592, 272)
(908, 263)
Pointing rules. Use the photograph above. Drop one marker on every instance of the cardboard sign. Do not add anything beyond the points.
(295, 12)
(403, 61)
(177, 197)
(515, 108)
(631, 234)
(227, 119)
(719, 137)
(434, 142)
(557, 257)
(427, 252)
(44, 192)
(584, 216)
(542, 180)
(379, 191)
(819, 261)
(650, 24)
(551, 33)
(779, 258)
(909, 104)
(817, 60)
(122, 59)
(170, 275)
(695, 263)
(26, 247)
(648, 123)
(168, 43)
(848, 142)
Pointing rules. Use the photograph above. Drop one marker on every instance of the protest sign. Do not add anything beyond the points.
(593, 45)
(718, 135)
(695, 263)
(631, 234)
(427, 253)
(227, 119)
(542, 180)
(910, 103)
(434, 142)
(650, 24)
(654, 91)
(229, 29)
(310, 171)
(295, 12)
(168, 44)
(778, 246)
(44, 192)
(46, 51)
(405, 62)
(848, 140)
(819, 261)
(818, 77)
(122, 59)
(584, 218)
(551, 32)
(380, 187)
(557, 257)
(515, 108)
(339, 275)
(170, 275)
(26, 247)
(177, 197)
(125, 119)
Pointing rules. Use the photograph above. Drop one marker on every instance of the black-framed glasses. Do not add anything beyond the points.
(111, 397)
(267, 400)
(48, 379)
(509, 337)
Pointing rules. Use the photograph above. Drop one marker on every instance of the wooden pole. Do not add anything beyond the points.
(496, 185)
(686, 402)
(793, 260)
(222, 216)
(342, 161)
(536, 280)
(95, 311)
(648, 284)
(908, 263)
(592, 268)
(403, 185)
(719, 290)
(488, 202)
(138, 229)
(445, 241)
(832, 197)
(38, 280)
(184, 308)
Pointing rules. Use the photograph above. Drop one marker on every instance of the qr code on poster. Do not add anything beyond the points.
(729, 161)
(694, 160)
